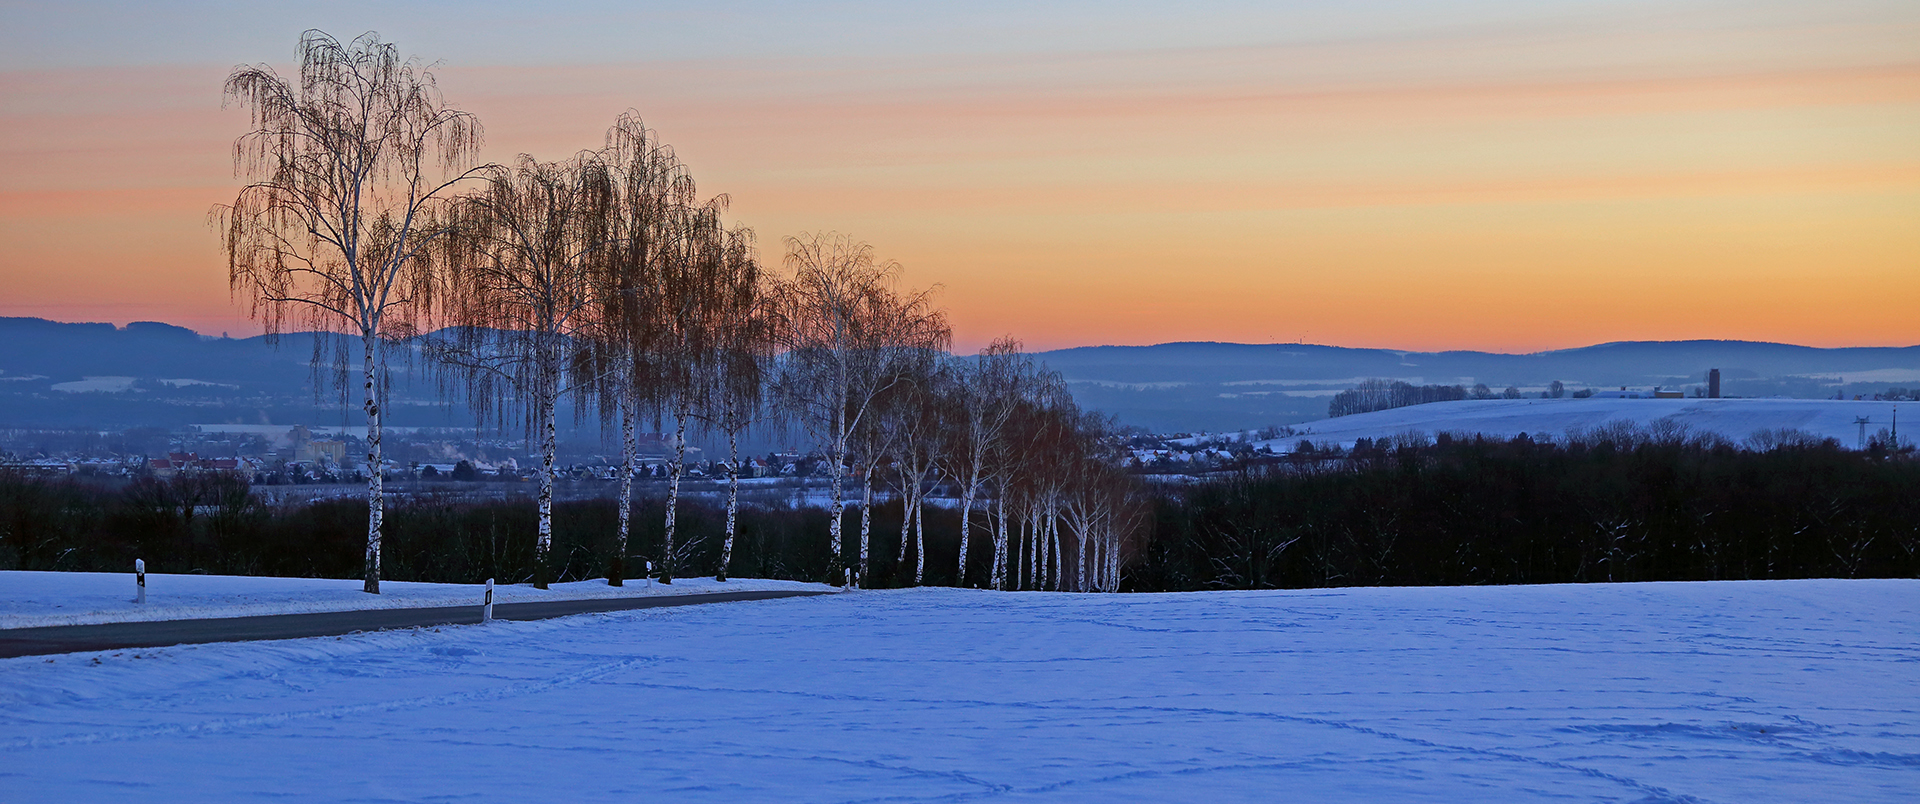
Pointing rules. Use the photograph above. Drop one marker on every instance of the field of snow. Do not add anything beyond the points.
(31, 599)
(1736, 419)
(1788, 691)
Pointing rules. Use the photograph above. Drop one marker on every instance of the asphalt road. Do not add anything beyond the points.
(118, 636)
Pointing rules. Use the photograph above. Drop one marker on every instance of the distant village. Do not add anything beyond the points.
(270, 456)
(276, 455)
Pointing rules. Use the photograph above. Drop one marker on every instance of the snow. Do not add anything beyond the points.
(1776, 691)
(182, 383)
(31, 599)
(1906, 375)
(1736, 419)
(108, 385)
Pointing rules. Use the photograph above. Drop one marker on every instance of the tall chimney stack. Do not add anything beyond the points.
(1713, 383)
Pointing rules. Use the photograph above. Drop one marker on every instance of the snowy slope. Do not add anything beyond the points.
(1789, 691)
(1736, 419)
(30, 599)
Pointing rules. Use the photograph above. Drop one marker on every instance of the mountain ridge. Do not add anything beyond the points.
(1174, 386)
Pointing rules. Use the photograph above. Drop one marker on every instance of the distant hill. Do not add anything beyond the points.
(154, 374)
(1224, 386)
(149, 374)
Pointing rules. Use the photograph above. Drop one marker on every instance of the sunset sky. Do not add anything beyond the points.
(1505, 175)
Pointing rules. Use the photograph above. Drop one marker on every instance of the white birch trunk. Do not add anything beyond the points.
(629, 456)
(1113, 554)
(966, 521)
(999, 578)
(543, 545)
(836, 472)
(919, 544)
(906, 518)
(376, 501)
(733, 496)
(866, 522)
(674, 471)
(1053, 530)
(1080, 549)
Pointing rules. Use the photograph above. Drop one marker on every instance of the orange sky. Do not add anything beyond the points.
(1503, 178)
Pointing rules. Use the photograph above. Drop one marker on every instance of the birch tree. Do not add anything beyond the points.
(652, 188)
(848, 337)
(918, 440)
(744, 327)
(522, 289)
(978, 409)
(687, 313)
(351, 162)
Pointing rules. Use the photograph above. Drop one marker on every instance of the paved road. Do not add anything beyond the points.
(118, 636)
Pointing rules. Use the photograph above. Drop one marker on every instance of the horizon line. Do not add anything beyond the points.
(124, 327)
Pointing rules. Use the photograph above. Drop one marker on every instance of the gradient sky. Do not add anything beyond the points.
(1501, 175)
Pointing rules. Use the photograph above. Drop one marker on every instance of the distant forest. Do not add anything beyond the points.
(1608, 508)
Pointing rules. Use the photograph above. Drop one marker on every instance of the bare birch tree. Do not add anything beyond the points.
(684, 351)
(848, 336)
(918, 440)
(351, 162)
(977, 413)
(523, 287)
(652, 190)
(743, 340)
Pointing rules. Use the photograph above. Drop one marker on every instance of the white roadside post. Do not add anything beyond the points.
(486, 609)
(649, 574)
(140, 580)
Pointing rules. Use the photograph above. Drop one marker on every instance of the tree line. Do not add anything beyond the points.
(1378, 394)
(1616, 504)
(608, 283)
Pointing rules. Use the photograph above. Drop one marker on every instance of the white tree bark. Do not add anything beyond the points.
(376, 501)
(966, 523)
(1053, 530)
(667, 558)
(1000, 542)
(1080, 561)
(919, 545)
(548, 409)
(733, 496)
(866, 521)
(907, 498)
(629, 457)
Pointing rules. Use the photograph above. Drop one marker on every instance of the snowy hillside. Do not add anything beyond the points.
(1787, 691)
(1735, 419)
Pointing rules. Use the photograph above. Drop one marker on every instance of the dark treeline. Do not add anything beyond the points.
(1406, 512)
(210, 523)
(1511, 512)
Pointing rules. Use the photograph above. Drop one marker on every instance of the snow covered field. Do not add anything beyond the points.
(1789, 691)
(30, 599)
(1736, 419)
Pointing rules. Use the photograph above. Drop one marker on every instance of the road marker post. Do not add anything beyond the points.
(486, 609)
(140, 580)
